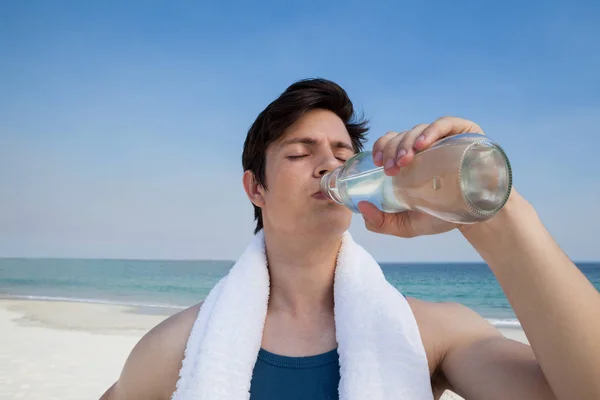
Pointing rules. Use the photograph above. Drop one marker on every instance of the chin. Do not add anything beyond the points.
(333, 222)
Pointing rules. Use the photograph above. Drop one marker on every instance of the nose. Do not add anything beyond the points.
(327, 164)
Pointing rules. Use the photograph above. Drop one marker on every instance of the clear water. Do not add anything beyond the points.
(175, 285)
(372, 186)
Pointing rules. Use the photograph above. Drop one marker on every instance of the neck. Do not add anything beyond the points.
(301, 269)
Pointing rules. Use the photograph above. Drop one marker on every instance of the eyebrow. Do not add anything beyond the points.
(313, 142)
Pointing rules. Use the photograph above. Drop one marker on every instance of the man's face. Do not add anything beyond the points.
(316, 144)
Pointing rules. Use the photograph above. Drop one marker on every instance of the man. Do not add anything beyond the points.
(309, 130)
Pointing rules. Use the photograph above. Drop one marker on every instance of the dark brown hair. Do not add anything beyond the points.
(296, 100)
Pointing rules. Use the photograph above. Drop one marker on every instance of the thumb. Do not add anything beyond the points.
(381, 222)
(374, 217)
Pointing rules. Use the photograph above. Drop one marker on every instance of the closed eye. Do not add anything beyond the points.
(297, 157)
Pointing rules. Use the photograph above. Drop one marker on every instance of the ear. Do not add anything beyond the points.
(254, 191)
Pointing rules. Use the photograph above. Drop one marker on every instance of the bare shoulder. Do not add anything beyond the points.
(469, 356)
(446, 322)
(444, 326)
(152, 368)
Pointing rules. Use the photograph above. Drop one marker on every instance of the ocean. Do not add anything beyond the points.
(172, 285)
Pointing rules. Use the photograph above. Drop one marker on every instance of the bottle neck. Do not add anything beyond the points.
(329, 185)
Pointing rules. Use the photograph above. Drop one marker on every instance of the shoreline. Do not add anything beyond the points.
(96, 318)
(74, 350)
(34, 310)
(501, 323)
(40, 298)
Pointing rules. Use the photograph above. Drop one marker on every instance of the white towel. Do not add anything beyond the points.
(380, 349)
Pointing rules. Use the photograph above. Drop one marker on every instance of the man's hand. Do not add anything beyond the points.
(394, 151)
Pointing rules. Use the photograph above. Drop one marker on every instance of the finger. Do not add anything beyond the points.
(374, 218)
(379, 222)
(390, 153)
(406, 149)
(380, 144)
(445, 126)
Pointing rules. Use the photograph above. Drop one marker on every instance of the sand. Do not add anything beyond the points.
(59, 350)
(74, 351)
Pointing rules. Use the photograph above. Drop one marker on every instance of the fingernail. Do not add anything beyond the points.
(389, 163)
(421, 138)
(378, 157)
(401, 154)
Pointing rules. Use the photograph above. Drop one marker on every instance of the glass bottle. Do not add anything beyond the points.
(464, 178)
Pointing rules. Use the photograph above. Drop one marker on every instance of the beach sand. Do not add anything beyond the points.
(75, 351)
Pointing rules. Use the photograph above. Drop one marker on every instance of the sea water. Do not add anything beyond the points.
(174, 285)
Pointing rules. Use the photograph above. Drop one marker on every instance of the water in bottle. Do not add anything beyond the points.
(464, 178)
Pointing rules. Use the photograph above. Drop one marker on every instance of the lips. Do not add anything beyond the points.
(320, 196)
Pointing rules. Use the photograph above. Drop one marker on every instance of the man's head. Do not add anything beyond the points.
(310, 129)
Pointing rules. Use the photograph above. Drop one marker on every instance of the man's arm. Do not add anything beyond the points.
(471, 357)
(480, 363)
(152, 369)
(555, 303)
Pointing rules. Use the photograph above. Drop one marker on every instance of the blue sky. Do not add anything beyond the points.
(122, 123)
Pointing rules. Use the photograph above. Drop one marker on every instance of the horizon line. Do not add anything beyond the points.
(235, 260)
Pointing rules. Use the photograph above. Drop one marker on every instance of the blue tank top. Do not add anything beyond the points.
(295, 378)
